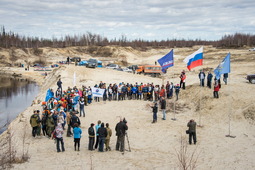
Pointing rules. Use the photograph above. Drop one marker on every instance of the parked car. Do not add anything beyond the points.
(78, 59)
(112, 66)
(127, 70)
(82, 63)
(99, 64)
(251, 78)
(252, 49)
(92, 63)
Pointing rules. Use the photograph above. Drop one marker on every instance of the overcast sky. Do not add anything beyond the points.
(145, 19)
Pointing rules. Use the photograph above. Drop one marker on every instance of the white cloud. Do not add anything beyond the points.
(152, 19)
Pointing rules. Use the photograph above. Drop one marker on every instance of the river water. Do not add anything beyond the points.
(15, 96)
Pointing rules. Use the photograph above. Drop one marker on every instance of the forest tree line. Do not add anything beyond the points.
(11, 39)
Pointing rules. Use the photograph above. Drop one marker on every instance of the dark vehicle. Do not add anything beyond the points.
(78, 59)
(251, 78)
(92, 63)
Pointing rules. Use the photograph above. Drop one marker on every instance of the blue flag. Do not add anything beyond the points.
(223, 67)
(49, 95)
(167, 61)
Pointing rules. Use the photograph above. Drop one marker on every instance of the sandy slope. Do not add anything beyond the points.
(153, 146)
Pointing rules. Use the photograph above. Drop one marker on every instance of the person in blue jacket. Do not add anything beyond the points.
(77, 136)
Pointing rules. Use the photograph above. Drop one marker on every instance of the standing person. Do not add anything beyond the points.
(120, 129)
(97, 127)
(156, 92)
(34, 122)
(110, 92)
(192, 131)
(77, 136)
(68, 121)
(107, 139)
(171, 90)
(183, 79)
(59, 137)
(50, 124)
(39, 126)
(59, 83)
(177, 91)
(209, 80)
(225, 78)
(68, 60)
(168, 89)
(89, 95)
(102, 134)
(162, 92)
(216, 89)
(82, 104)
(133, 69)
(201, 77)
(145, 91)
(74, 119)
(163, 107)
(91, 133)
(155, 111)
(44, 118)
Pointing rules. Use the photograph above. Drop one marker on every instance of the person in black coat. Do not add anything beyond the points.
(74, 119)
(59, 83)
(209, 80)
(102, 133)
(120, 129)
(91, 133)
(155, 111)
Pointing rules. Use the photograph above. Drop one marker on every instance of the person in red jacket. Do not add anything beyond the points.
(216, 89)
(183, 78)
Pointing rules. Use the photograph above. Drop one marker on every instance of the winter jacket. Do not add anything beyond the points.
(77, 132)
(209, 77)
(97, 127)
(145, 89)
(155, 108)
(192, 126)
(121, 128)
(217, 87)
(91, 132)
(59, 131)
(109, 133)
(74, 119)
(34, 120)
(102, 132)
(50, 121)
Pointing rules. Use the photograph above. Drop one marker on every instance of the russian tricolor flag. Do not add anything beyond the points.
(195, 59)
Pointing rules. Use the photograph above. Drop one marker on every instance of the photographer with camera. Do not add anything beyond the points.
(120, 129)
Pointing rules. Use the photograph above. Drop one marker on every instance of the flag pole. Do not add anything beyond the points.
(174, 119)
(229, 112)
(200, 96)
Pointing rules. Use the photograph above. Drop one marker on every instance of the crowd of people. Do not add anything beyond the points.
(62, 108)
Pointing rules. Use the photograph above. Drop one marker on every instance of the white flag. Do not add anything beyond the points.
(97, 92)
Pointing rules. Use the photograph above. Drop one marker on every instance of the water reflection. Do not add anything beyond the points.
(15, 96)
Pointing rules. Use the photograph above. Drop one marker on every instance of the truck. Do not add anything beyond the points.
(151, 70)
